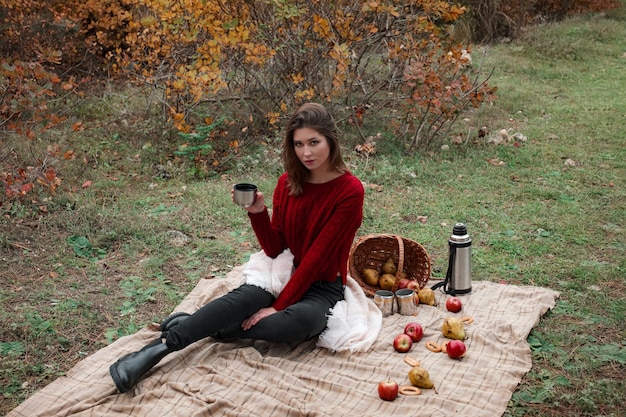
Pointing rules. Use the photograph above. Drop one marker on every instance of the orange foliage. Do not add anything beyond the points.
(439, 89)
(276, 53)
(25, 87)
(267, 55)
(273, 54)
(281, 52)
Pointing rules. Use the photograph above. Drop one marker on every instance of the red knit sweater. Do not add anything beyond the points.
(318, 226)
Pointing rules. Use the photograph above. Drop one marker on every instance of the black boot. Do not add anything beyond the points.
(130, 368)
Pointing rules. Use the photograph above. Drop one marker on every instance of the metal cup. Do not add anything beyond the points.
(244, 194)
(385, 301)
(406, 302)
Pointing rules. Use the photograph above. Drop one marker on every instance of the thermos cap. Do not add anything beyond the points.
(459, 234)
(459, 229)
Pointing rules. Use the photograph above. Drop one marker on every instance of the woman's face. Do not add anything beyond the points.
(312, 149)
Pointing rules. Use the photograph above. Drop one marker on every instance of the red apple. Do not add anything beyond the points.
(415, 331)
(402, 343)
(413, 285)
(453, 304)
(456, 349)
(403, 283)
(388, 390)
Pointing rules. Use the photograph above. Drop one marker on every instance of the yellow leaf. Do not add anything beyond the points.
(297, 78)
(272, 117)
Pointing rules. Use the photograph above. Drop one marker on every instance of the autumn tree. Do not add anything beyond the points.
(267, 57)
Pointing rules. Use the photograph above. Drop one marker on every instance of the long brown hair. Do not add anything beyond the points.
(313, 116)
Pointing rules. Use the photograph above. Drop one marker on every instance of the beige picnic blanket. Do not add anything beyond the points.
(255, 378)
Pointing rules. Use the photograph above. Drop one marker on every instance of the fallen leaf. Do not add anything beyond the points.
(496, 162)
(422, 219)
(569, 163)
(50, 174)
(87, 184)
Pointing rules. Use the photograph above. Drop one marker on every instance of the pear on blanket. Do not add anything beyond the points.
(426, 296)
(453, 328)
(420, 377)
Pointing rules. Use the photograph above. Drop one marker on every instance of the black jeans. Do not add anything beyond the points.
(222, 317)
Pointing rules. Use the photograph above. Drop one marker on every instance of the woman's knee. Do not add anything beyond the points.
(305, 321)
(219, 314)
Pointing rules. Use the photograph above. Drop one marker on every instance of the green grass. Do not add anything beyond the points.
(551, 215)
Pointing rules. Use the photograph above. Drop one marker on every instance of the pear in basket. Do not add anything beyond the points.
(370, 276)
(390, 267)
(387, 281)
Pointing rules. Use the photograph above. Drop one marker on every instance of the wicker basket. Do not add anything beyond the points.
(372, 251)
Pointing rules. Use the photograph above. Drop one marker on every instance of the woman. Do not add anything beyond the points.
(317, 210)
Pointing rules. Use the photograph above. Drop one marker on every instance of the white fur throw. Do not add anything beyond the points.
(353, 324)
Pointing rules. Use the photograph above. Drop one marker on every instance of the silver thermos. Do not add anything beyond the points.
(459, 275)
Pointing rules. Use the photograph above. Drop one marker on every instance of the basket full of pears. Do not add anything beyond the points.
(388, 262)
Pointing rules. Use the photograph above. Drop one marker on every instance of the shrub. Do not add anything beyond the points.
(40, 40)
(491, 20)
(248, 64)
(267, 57)
(24, 90)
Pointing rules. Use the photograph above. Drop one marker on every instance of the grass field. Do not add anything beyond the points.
(544, 207)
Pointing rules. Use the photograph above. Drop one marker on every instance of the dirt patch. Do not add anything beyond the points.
(55, 313)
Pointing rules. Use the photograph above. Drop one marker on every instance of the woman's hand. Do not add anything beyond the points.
(257, 207)
(257, 317)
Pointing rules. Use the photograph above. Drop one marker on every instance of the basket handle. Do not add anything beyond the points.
(400, 262)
